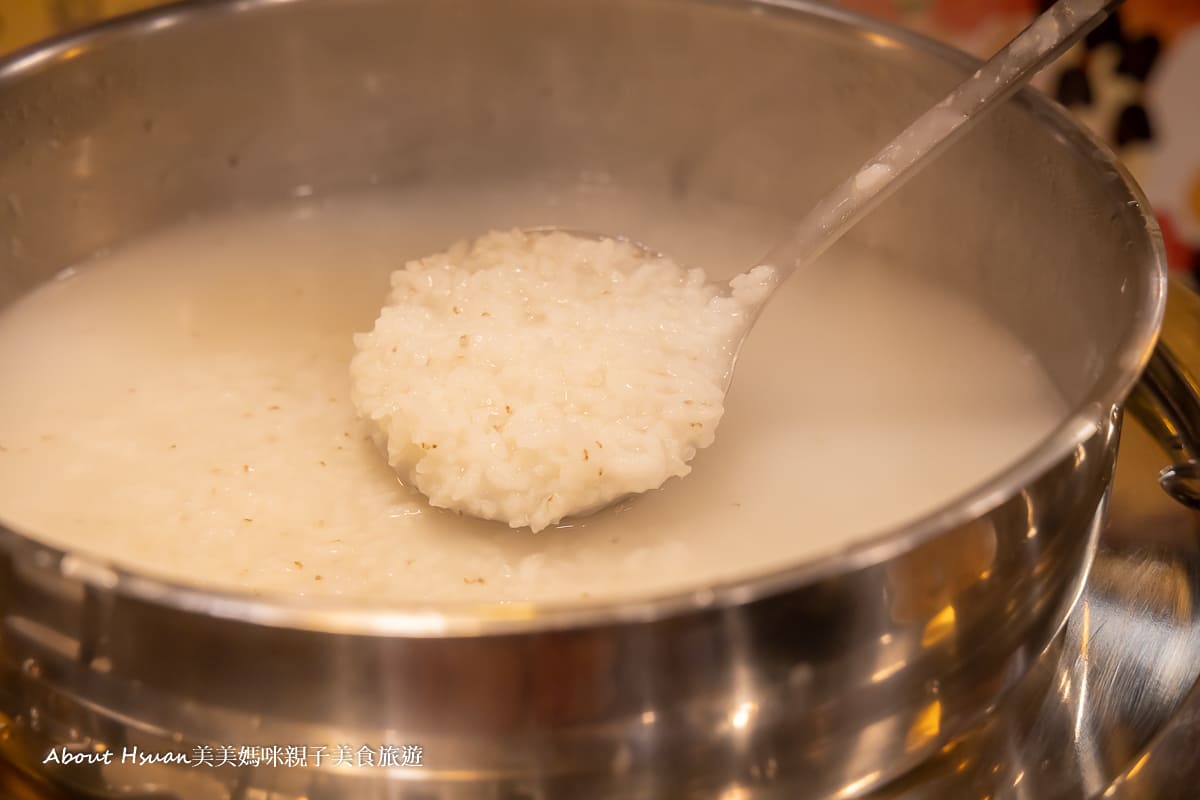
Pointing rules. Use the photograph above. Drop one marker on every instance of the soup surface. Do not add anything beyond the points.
(181, 406)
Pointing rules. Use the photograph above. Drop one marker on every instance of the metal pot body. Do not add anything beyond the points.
(820, 680)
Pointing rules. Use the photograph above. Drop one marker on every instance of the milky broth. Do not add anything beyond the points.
(181, 407)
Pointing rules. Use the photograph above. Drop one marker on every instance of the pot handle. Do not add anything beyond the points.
(1166, 401)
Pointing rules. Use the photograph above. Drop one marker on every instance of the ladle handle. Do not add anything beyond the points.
(1052, 33)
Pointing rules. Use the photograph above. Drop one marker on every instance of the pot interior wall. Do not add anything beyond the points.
(108, 139)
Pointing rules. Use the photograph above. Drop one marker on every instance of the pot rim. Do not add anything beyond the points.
(1085, 420)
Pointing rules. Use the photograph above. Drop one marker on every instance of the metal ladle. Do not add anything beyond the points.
(1048, 37)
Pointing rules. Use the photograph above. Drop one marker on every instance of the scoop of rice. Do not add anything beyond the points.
(527, 377)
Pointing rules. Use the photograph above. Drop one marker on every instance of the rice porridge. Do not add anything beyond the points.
(183, 407)
(528, 376)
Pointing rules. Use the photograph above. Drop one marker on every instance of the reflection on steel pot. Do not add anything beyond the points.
(821, 679)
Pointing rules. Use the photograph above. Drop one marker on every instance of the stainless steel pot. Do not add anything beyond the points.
(821, 679)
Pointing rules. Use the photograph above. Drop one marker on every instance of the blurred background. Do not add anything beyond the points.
(1135, 81)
